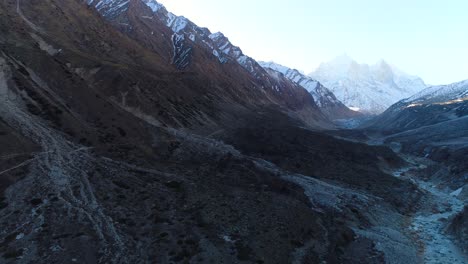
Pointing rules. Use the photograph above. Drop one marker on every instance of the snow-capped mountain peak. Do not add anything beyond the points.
(343, 60)
(370, 88)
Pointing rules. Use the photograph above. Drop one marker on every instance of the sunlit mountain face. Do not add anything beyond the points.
(369, 88)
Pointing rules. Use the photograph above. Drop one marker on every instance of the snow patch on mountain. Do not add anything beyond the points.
(155, 6)
(181, 52)
(178, 24)
(221, 47)
(109, 8)
(221, 59)
(225, 46)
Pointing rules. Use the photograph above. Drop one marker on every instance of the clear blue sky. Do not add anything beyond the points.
(428, 38)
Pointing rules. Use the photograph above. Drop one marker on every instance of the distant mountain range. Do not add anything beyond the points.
(366, 88)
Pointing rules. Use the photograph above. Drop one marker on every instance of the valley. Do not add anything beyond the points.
(129, 134)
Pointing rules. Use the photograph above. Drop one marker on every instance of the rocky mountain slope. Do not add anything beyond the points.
(198, 52)
(367, 88)
(324, 98)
